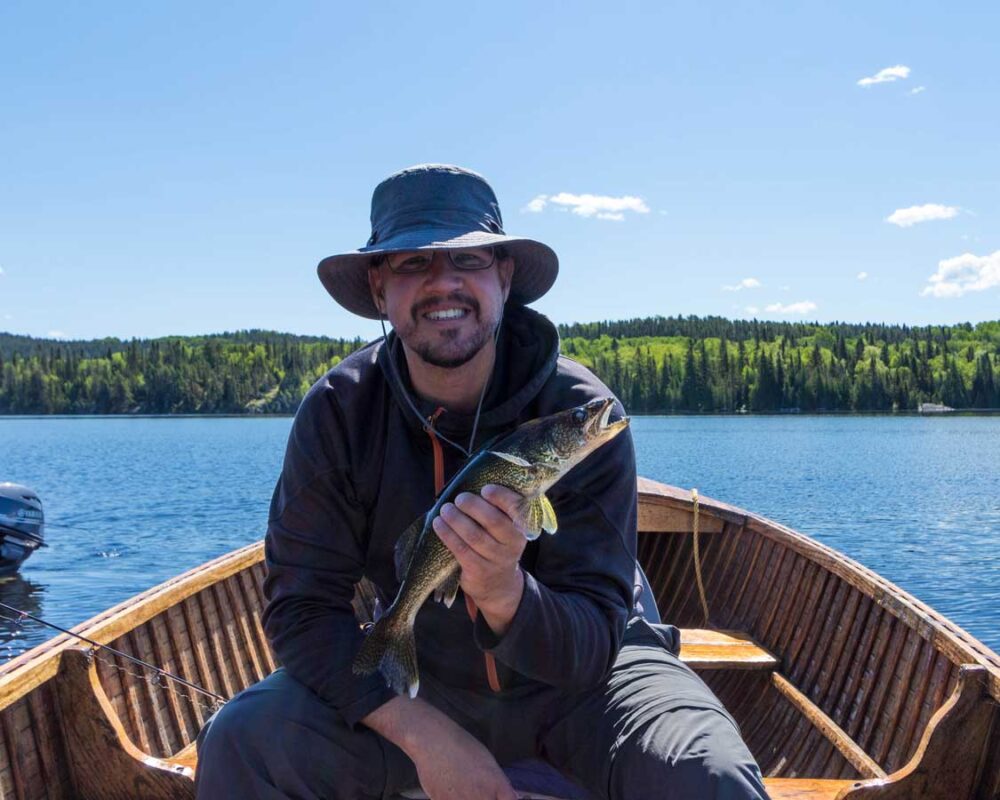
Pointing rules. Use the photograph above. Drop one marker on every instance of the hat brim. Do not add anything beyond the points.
(345, 276)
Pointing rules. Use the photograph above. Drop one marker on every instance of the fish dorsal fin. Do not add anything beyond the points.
(406, 544)
(539, 516)
(511, 458)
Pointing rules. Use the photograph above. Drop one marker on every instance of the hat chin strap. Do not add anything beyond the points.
(466, 451)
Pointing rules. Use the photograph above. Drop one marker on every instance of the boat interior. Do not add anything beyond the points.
(844, 686)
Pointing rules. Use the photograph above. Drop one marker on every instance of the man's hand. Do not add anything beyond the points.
(451, 763)
(486, 536)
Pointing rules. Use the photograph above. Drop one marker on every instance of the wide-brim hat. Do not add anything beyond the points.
(436, 207)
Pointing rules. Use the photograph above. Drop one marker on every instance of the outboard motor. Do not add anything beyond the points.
(22, 525)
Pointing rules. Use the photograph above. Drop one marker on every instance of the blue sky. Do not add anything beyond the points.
(180, 168)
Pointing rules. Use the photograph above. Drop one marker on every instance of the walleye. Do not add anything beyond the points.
(529, 461)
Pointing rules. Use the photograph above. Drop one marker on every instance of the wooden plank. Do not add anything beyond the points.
(213, 629)
(708, 649)
(231, 639)
(253, 601)
(14, 756)
(858, 758)
(242, 616)
(804, 788)
(668, 519)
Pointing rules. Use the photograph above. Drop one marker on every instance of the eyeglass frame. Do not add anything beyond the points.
(498, 251)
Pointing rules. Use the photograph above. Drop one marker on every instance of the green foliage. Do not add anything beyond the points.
(713, 364)
(238, 373)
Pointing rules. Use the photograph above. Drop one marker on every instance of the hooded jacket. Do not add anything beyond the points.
(358, 470)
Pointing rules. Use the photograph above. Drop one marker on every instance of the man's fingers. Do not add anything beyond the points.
(468, 556)
(507, 500)
(488, 543)
(497, 511)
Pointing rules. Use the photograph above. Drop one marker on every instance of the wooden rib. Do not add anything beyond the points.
(858, 758)
(180, 641)
(889, 716)
(253, 601)
(791, 653)
(825, 649)
(756, 544)
(27, 746)
(241, 618)
(730, 571)
(899, 749)
(774, 610)
(855, 671)
(195, 624)
(934, 698)
(136, 698)
(667, 564)
(849, 602)
(13, 755)
(782, 639)
(753, 585)
(797, 662)
(230, 638)
(140, 647)
(164, 659)
(213, 629)
(883, 635)
(883, 672)
(849, 652)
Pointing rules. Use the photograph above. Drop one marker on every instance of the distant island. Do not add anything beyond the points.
(656, 365)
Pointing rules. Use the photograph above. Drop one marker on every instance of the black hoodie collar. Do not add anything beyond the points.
(526, 356)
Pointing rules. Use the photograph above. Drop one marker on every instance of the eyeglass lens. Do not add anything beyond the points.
(468, 259)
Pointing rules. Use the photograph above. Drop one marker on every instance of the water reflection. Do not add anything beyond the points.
(18, 634)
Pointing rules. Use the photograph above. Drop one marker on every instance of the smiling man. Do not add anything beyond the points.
(547, 657)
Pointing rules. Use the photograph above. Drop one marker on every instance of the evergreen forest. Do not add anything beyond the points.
(655, 365)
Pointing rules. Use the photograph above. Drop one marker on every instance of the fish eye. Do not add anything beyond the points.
(579, 415)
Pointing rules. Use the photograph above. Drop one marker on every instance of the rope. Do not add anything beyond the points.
(697, 556)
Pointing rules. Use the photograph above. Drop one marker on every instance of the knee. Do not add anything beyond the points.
(698, 755)
(239, 731)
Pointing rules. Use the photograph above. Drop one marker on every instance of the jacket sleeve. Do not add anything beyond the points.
(568, 627)
(315, 554)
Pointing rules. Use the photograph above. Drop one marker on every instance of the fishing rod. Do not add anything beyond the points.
(25, 615)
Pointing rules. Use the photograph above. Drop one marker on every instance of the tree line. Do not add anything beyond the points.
(658, 364)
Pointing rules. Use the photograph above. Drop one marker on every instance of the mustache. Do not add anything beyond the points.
(458, 298)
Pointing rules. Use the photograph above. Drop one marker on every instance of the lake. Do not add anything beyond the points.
(130, 502)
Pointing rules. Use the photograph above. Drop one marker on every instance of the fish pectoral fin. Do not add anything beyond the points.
(406, 544)
(517, 460)
(445, 593)
(539, 516)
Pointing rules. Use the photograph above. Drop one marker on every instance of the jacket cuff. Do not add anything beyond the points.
(503, 647)
(374, 693)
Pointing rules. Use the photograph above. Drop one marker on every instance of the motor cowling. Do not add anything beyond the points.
(21, 515)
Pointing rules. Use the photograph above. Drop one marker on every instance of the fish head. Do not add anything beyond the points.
(556, 443)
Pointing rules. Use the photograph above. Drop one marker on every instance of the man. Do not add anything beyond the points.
(546, 657)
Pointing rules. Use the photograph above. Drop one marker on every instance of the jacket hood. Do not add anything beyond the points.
(527, 351)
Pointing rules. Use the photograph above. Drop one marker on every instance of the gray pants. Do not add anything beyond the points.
(654, 730)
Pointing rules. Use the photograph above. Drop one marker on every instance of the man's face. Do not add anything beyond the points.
(444, 315)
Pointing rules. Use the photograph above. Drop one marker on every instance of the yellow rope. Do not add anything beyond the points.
(697, 557)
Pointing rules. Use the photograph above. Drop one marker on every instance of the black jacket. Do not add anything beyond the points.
(359, 469)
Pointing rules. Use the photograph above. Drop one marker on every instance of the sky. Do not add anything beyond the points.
(180, 168)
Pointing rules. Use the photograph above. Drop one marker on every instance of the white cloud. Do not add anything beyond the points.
(803, 307)
(752, 310)
(746, 283)
(917, 90)
(964, 273)
(589, 205)
(887, 75)
(1, 270)
(57, 335)
(537, 204)
(862, 276)
(906, 217)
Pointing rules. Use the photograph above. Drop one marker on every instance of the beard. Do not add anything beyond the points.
(449, 348)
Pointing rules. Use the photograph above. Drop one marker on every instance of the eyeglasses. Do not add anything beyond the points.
(472, 258)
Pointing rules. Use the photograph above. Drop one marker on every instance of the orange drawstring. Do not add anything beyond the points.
(470, 606)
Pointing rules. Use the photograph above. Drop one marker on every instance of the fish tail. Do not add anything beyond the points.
(392, 650)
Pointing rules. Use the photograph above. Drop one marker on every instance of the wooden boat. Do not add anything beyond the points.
(844, 685)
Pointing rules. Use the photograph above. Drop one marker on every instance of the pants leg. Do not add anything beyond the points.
(654, 730)
(277, 740)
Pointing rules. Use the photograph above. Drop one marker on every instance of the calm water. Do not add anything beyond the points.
(131, 502)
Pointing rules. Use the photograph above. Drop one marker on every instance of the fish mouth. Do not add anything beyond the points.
(600, 427)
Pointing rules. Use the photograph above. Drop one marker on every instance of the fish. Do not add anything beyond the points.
(529, 460)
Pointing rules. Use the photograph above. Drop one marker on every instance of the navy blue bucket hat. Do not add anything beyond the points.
(436, 207)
